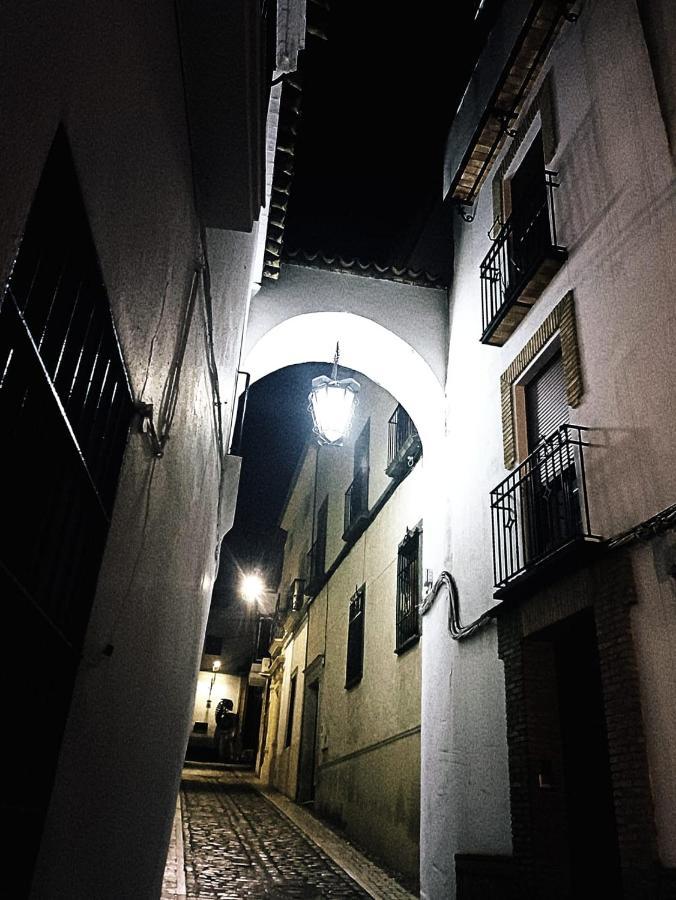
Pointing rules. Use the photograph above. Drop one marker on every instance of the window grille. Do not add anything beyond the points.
(408, 590)
(66, 407)
(354, 668)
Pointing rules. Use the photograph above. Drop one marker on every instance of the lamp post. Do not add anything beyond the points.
(332, 404)
(215, 668)
(252, 588)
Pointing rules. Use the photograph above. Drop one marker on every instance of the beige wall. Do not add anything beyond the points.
(378, 718)
(285, 765)
(368, 736)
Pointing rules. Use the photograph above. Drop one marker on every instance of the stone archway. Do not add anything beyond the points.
(386, 359)
(365, 346)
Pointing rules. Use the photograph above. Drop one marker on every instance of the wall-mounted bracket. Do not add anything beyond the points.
(144, 411)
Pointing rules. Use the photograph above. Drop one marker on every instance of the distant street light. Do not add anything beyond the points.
(252, 588)
(332, 405)
(215, 667)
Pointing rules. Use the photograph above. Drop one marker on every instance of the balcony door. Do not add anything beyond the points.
(553, 511)
(574, 831)
(530, 214)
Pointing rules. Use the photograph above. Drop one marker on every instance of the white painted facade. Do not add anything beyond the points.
(112, 806)
(615, 214)
(112, 76)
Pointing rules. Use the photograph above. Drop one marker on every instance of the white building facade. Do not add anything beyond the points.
(548, 748)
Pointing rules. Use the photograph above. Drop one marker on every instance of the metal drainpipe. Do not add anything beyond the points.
(236, 445)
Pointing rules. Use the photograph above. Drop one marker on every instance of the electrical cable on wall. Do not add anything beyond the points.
(457, 631)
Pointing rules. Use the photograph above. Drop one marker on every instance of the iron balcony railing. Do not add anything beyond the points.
(356, 501)
(541, 506)
(509, 271)
(403, 442)
(295, 595)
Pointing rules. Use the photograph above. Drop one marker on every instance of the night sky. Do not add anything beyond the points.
(277, 427)
(378, 98)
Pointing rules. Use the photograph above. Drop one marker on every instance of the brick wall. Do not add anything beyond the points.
(606, 587)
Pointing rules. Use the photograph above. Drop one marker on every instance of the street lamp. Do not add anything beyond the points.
(252, 588)
(215, 667)
(332, 403)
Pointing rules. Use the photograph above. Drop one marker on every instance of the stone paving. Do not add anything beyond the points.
(238, 845)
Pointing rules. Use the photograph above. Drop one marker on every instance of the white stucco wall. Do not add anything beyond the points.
(417, 314)
(615, 211)
(111, 74)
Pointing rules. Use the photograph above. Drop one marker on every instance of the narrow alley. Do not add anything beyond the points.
(234, 838)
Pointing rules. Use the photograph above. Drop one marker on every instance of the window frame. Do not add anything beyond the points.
(413, 535)
(293, 687)
(354, 661)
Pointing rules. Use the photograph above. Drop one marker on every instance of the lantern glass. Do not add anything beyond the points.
(332, 405)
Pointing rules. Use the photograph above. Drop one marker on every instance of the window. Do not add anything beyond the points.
(357, 495)
(65, 407)
(403, 443)
(213, 645)
(560, 323)
(540, 510)
(525, 254)
(409, 589)
(354, 668)
(292, 706)
(316, 558)
(550, 496)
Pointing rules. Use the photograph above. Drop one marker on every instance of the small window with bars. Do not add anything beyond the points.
(354, 667)
(409, 589)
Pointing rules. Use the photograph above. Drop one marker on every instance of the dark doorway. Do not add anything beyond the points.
(530, 233)
(592, 834)
(251, 725)
(573, 819)
(308, 744)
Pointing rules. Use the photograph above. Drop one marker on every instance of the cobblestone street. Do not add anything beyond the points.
(236, 843)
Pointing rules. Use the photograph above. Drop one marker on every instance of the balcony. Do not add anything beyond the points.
(356, 506)
(403, 443)
(540, 511)
(314, 567)
(295, 595)
(524, 258)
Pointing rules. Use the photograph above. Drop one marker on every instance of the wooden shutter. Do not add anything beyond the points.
(546, 403)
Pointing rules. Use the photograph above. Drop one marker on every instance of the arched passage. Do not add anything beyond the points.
(390, 362)
(365, 346)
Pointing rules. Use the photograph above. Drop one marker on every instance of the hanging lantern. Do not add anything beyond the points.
(332, 404)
